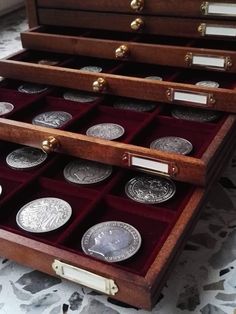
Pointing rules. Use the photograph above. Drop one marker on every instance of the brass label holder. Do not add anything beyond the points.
(217, 30)
(208, 61)
(209, 8)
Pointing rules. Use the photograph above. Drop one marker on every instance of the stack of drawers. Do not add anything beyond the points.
(135, 42)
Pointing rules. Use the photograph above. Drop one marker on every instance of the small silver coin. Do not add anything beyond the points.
(25, 158)
(1, 78)
(195, 114)
(52, 119)
(208, 84)
(0, 189)
(134, 105)
(44, 215)
(155, 78)
(86, 172)
(108, 131)
(172, 144)
(150, 190)
(47, 62)
(111, 241)
(79, 96)
(5, 107)
(30, 88)
(91, 68)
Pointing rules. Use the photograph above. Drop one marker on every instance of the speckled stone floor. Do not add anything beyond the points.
(203, 280)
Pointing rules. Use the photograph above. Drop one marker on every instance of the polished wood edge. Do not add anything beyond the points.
(32, 13)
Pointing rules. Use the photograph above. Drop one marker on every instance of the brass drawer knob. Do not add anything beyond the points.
(137, 5)
(50, 144)
(122, 52)
(99, 85)
(137, 24)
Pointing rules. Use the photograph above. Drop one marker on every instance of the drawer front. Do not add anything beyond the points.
(191, 28)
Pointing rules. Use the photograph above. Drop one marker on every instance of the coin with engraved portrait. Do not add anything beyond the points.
(43, 215)
(111, 241)
(107, 131)
(82, 171)
(134, 105)
(212, 84)
(25, 158)
(79, 96)
(150, 189)
(30, 88)
(155, 78)
(195, 114)
(5, 107)
(91, 68)
(47, 62)
(52, 119)
(172, 144)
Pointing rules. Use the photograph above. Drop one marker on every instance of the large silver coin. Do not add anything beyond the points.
(86, 172)
(79, 96)
(195, 114)
(52, 119)
(30, 88)
(134, 105)
(150, 190)
(25, 158)
(208, 84)
(108, 131)
(155, 78)
(91, 68)
(44, 215)
(111, 241)
(172, 144)
(5, 107)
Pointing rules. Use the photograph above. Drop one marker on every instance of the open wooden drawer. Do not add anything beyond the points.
(180, 52)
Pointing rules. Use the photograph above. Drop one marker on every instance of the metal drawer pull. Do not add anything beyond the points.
(122, 52)
(50, 144)
(99, 85)
(137, 24)
(218, 8)
(217, 30)
(137, 5)
(216, 62)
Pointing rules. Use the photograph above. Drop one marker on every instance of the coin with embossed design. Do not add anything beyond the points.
(25, 158)
(91, 68)
(150, 189)
(195, 114)
(79, 96)
(155, 78)
(44, 215)
(52, 119)
(108, 131)
(82, 171)
(30, 88)
(5, 107)
(208, 84)
(134, 105)
(111, 241)
(172, 144)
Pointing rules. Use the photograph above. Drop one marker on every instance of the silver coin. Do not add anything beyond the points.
(86, 172)
(47, 62)
(108, 131)
(1, 78)
(25, 158)
(0, 189)
(208, 84)
(150, 190)
(134, 105)
(79, 96)
(195, 114)
(91, 68)
(155, 78)
(5, 107)
(30, 88)
(52, 119)
(44, 215)
(111, 241)
(172, 144)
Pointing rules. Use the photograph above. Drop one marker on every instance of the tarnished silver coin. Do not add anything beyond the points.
(25, 158)
(52, 119)
(47, 62)
(134, 105)
(5, 107)
(195, 114)
(108, 131)
(82, 171)
(111, 241)
(91, 68)
(150, 189)
(172, 144)
(155, 78)
(79, 96)
(30, 88)
(208, 84)
(44, 215)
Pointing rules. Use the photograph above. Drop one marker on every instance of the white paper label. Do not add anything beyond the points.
(190, 97)
(149, 164)
(216, 62)
(220, 31)
(225, 9)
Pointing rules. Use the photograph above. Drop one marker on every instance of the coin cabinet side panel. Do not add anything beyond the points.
(32, 15)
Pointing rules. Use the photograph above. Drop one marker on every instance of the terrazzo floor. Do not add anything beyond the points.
(203, 280)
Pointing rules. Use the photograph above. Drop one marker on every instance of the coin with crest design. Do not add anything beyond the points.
(107, 131)
(52, 119)
(172, 144)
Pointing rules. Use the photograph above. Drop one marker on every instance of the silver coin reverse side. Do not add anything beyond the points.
(52, 119)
